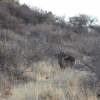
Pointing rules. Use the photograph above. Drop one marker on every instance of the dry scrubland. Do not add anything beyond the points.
(50, 84)
(29, 41)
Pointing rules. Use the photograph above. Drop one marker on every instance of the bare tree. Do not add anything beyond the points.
(65, 60)
(81, 23)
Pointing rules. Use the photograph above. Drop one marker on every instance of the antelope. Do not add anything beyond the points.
(65, 60)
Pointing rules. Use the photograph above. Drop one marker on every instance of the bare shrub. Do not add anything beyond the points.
(13, 58)
(89, 47)
(6, 91)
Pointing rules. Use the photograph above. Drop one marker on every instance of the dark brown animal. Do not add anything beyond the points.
(65, 60)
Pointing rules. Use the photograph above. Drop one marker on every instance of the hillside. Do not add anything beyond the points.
(29, 50)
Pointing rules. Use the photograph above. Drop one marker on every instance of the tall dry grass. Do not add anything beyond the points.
(70, 84)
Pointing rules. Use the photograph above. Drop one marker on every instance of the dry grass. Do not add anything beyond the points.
(62, 85)
(36, 91)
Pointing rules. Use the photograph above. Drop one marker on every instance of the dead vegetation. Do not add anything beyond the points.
(29, 49)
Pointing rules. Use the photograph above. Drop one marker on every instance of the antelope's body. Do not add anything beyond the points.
(65, 60)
